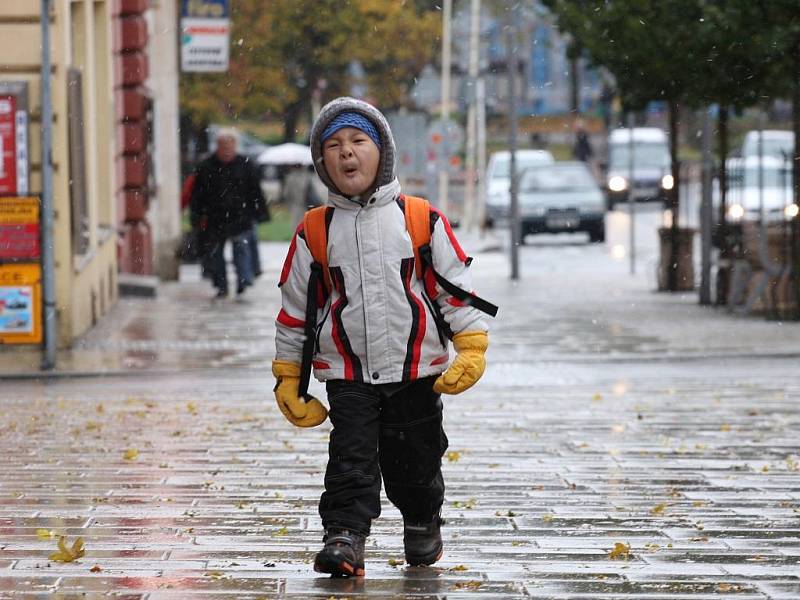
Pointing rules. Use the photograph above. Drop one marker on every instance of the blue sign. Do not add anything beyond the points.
(204, 9)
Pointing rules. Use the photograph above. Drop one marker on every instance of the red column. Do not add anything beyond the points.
(133, 156)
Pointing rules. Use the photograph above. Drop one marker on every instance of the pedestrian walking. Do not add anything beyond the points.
(226, 203)
(298, 192)
(582, 147)
(385, 278)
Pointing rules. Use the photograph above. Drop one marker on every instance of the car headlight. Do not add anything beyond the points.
(667, 182)
(736, 212)
(617, 184)
(791, 211)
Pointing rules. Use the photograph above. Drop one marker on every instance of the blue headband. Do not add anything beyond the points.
(351, 119)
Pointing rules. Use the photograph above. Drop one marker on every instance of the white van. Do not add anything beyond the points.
(498, 178)
(776, 142)
(651, 165)
(746, 198)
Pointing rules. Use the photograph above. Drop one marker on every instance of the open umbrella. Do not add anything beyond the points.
(286, 154)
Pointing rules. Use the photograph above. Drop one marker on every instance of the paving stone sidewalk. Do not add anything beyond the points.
(595, 460)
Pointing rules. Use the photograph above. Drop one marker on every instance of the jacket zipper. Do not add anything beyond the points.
(363, 290)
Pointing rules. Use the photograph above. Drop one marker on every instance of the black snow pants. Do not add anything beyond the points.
(379, 429)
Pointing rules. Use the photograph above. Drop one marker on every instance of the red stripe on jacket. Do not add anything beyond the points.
(440, 360)
(286, 319)
(453, 241)
(287, 264)
(421, 324)
(337, 327)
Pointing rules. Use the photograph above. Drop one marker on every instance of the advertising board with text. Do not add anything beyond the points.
(205, 36)
(20, 304)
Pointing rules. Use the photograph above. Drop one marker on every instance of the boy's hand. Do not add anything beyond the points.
(296, 410)
(468, 365)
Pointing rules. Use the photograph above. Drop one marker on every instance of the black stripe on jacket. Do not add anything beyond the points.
(339, 334)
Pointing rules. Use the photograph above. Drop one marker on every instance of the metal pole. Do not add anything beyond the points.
(706, 211)
(446, 61)
(760, 175)
(512, 147)
(48, 257)
(469, 192)
(631, 202)
(480, 118)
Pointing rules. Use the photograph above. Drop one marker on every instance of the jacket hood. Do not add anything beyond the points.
(386, 165)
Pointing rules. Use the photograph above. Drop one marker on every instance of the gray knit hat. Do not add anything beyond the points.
(329, 112)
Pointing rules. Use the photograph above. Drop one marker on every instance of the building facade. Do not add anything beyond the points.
(84, 183)
(114, 131)
(545, 73)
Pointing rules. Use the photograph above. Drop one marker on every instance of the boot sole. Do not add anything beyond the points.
(337, 566)
(427, 560)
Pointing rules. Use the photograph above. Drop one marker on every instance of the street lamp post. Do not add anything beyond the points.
(446, 63)
(631, 199)
(512, 147)
(48, 256)
(706, 211)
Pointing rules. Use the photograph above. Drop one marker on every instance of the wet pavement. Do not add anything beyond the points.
(622, 444)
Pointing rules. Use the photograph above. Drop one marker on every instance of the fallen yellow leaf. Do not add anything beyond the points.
(597, 397)
(621, 550)
(215, 575)
(453, 455)
(459, 568)
(658, 509)
(466, 585)
(131, 454)
(64, 554)
(45, 534)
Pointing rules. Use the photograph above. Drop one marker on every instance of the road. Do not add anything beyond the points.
(622, 444)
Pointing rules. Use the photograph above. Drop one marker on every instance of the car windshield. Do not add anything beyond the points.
(557, 178)
(777, 148)
(772, 177)
(644, 155)
(502, 166)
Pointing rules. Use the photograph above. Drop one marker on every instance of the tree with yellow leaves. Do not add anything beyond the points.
(286, 53)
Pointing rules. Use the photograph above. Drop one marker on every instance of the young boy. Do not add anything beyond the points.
(381, 343)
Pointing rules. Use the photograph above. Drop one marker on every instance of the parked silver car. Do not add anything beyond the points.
(562, 197)
(498, 178)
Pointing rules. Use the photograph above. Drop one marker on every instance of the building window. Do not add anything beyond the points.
(79, 208)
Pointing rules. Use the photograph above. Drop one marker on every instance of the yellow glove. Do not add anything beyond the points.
(468, 365)
(296, 410)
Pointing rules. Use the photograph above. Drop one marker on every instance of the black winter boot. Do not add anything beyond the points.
(342, 555)
(423, 542)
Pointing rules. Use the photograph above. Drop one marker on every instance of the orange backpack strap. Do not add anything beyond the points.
(316, 232)
(418, 224)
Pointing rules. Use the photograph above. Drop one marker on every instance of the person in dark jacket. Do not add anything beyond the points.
(226, 202)
(582, 147)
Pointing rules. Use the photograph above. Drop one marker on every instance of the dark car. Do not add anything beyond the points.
(562, 197)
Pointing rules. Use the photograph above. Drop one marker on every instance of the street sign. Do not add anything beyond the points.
(20, 304)
(444, 141)
(205, 39)
(13, 138)
(19, 230)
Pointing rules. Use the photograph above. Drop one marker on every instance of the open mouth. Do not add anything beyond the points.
(350, 170)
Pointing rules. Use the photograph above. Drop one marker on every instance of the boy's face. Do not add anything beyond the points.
(351, 159)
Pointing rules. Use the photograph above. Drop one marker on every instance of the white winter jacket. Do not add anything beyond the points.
(379, 323)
